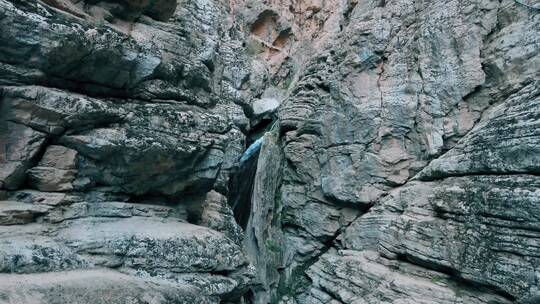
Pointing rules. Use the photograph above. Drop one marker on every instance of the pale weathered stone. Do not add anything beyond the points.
(93, 286)
(59, 157)
(261, 106)
(51, 179)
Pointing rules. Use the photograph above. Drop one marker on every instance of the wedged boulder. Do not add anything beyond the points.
(265, 105)
(98, 286)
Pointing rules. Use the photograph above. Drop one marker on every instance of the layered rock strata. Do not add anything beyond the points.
(393, 151)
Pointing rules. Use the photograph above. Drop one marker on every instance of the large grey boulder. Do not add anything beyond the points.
(151, 244)
(93, 286)
(143, 246)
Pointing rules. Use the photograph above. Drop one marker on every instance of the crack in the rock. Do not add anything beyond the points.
(455, 275)
(444, 176)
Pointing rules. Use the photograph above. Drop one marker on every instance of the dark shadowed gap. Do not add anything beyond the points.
(242, 180)
(241, 190)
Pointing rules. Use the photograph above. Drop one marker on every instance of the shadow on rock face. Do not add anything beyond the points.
(160, 10)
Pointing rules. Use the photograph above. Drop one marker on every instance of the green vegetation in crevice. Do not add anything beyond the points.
(273, 246)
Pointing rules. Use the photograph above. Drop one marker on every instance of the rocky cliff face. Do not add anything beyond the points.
(277, 151)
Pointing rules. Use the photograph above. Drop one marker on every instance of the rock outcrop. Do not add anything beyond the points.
(276, 151)
(121, 123)
(409, 139)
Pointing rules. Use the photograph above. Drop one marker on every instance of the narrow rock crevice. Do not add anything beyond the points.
(439, 177)
(242, 180)
(455, 276)
(241, 189)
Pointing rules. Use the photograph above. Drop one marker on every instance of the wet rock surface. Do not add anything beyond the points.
(275, 151)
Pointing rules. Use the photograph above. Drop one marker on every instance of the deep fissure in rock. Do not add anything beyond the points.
(241, 190)
(242, 180)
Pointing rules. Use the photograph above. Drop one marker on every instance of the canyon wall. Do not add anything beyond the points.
(275, 151)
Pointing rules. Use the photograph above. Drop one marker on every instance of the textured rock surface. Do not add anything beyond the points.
(92, 286)
(409, 135)
(356, 277)
(394, 151)
(120, 124)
